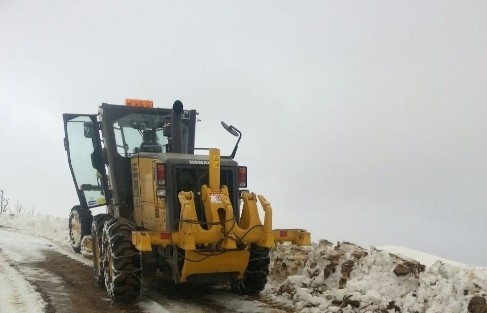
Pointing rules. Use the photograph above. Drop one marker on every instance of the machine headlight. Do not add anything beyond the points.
(161, 192)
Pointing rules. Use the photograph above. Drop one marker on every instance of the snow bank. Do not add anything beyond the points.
(349, 278)
(53, 228)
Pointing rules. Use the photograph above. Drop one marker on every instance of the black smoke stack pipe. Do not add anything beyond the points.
(176, 127)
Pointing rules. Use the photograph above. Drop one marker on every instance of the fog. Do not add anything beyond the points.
(361, 121)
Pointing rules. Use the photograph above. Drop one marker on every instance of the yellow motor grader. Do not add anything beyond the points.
(170, 212)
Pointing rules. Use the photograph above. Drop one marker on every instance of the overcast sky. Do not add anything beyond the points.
(362, 121)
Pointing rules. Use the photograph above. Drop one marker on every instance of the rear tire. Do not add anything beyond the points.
(122, 262)
(255, 276)
(79, 226)
(96, 242)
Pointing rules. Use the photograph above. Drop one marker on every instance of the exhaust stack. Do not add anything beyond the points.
(176, 127)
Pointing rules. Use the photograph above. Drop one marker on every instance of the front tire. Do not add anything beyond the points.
(255, 276)
(79, 226)
(123, 264)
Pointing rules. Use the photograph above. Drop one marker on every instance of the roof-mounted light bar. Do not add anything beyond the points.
(139, 103)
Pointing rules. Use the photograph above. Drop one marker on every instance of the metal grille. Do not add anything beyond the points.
(192, 178)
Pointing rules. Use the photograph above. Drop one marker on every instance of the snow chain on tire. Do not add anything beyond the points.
(122, 262)
(79, 226)
(255, 276)
(96, 242)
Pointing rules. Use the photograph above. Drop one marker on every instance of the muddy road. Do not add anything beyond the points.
(63, 282)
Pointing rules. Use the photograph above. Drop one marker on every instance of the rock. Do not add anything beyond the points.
(401, 270)
(359, 253)
(286, 288)
(324, 243)
(409, 267)
(477, 305)
(329, 269)
(392, 305)
(347, 267)
(347, 301)
(313, 273)
(334, 255)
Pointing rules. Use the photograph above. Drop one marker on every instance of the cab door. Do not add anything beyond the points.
(84, 148)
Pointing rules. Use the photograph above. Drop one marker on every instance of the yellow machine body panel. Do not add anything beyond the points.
(197, 262)
(150, 211)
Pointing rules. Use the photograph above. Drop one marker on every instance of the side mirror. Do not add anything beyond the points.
(232, 130)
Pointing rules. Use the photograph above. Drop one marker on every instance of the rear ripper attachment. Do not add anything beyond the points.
(220, 245)
(170, 213)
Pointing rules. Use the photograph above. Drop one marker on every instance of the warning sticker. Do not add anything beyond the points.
(215, 198)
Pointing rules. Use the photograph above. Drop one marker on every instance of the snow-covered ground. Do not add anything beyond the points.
(324, 277)
(16, 293)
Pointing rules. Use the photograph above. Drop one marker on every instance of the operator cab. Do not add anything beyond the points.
(102, 149)
(142, 130)
(102, 144)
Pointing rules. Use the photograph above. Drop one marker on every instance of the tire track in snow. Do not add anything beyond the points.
(20, 296)
(203, 298)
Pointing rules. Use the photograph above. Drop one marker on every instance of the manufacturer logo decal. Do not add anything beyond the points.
(199, 162)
